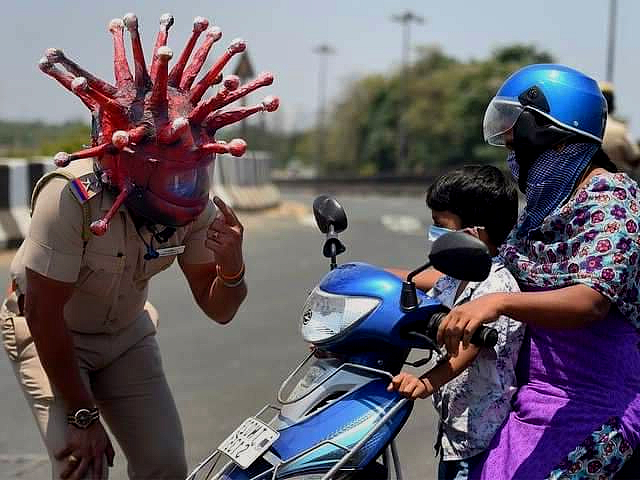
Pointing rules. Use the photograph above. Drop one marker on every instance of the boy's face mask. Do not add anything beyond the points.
(434, 232)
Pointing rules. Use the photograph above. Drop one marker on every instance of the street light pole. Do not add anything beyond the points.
(323, 50)
(613, 13)
(405, 19)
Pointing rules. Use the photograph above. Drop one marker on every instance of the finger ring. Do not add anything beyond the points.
(73, 459)
(215, 235)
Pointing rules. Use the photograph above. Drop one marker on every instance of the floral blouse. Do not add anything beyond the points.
(592, 239)
(474, 405)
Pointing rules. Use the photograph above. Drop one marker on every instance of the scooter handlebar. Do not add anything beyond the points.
(482, 337)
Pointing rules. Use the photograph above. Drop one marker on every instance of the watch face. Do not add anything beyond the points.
(83, 418)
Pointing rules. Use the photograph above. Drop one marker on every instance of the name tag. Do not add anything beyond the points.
(168, 251)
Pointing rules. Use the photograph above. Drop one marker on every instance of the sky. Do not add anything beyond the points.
(281, 36)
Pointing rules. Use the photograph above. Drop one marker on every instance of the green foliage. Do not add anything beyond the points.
(441, 113)
(28, 139)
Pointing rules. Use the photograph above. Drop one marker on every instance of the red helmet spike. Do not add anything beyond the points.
(148, 135)
(100, 227)
(166, 21)
(62, 159)
(55, 55)
(112, 108)
(217, 120)
(264, 79)
(137, 134)
(212, 35)
(65, 79)
(120, 139)
(231, 82)
(140, 66)
(236, 147)
(120, 64)
(199, 113)
(158, 98)
(196, 93)
(200, 24)
(174, 130)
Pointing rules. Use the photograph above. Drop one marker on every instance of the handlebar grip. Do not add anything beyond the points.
(485, 337)
(482, 337)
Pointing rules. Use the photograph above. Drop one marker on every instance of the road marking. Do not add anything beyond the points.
(402, 224)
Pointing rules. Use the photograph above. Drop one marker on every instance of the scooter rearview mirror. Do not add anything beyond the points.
(456, 254)
(328, 212)
(461, 256)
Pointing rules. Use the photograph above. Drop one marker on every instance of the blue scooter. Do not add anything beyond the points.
(335, 418)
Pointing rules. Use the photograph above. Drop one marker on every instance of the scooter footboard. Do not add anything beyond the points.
(352, 431)
(344, 423)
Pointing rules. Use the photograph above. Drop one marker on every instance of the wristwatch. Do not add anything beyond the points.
(83, 417)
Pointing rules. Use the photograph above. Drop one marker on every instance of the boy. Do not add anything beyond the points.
(471, 391)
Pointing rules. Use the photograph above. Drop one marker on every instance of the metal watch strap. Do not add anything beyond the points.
(83, 417)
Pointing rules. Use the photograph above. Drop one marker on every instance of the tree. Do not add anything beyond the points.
(444, 116)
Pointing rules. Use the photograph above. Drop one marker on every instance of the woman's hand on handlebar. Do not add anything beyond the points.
(463, 320)
(410, 386)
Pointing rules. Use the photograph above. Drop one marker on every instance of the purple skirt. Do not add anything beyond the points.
(571, 383)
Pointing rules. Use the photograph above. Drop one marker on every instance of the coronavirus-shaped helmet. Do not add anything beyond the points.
(153, 134)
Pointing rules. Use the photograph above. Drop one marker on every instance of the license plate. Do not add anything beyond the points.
(248, 442)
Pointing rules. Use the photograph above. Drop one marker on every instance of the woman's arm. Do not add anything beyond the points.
(570, 307)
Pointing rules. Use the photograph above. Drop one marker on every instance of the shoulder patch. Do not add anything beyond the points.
(85, 187)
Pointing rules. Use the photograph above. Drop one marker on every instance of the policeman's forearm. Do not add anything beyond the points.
(223, 301)
(55, 349)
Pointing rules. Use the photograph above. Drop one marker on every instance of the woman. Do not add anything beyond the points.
(575, 254)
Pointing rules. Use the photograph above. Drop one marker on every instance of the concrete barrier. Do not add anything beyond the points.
(243, 183)
(246, 182)
(18, 176)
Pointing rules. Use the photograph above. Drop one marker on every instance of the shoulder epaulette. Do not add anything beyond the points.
(83, 189)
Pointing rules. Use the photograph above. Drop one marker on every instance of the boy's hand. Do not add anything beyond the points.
(410, 386)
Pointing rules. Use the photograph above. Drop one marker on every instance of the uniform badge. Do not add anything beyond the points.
(86, 187)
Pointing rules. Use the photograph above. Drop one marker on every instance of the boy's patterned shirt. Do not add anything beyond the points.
(474, 405)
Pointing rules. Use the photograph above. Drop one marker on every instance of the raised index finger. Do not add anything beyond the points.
(229, 215)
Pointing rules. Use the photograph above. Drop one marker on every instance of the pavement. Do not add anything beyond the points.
(222, 374)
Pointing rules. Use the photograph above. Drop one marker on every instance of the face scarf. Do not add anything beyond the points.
(551, 179)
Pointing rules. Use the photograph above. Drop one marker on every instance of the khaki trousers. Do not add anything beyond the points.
(124, 373)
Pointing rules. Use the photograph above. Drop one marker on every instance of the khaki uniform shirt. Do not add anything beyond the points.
(619, 146)
(110, 274)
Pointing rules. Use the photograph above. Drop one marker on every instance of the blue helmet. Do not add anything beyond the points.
(569, 99)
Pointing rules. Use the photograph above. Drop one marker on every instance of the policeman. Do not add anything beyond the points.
(77, 326)
(617, 143)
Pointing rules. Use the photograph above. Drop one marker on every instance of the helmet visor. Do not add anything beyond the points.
(500, 117)
(182, 186)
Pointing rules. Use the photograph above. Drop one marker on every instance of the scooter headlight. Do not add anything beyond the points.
(326, 315)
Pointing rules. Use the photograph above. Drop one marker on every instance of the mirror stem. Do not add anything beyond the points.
(409, 295)
(334, 252)
(334, 263)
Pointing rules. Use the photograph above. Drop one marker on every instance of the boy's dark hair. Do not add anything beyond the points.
(481, 196)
